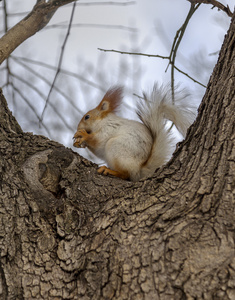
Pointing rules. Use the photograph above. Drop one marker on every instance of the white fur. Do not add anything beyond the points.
(154, 113)
(141, 148)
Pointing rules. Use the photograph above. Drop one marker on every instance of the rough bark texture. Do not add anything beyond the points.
(68, 233)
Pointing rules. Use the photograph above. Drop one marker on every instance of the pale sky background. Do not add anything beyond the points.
(154, 24)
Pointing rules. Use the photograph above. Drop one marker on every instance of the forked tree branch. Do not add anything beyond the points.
(215, 3)
(38, 18)
(156, 56)
(177, 40)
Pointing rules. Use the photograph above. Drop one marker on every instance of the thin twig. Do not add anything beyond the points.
(177, 40)
(69, 73)
(38, 75)
(5, 16)
(60, 61)
(19, 14)
(5, 30)
(107, 3)
(190, 77)
(96, 26)
(175, 45)
(31, 107)
(42, 96)
(134, 53)
(153, 55)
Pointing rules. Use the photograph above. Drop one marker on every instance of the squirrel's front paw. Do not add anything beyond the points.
(80, 138)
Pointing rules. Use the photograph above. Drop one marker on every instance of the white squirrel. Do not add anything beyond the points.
(133, 150)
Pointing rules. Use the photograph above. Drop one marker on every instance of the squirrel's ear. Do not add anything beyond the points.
(104, 105)
(112, 99)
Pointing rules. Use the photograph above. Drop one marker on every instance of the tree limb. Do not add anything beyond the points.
(38, 18)
(215, 3)
(156, 56)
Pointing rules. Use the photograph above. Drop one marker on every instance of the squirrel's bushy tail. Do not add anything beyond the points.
(154, 112)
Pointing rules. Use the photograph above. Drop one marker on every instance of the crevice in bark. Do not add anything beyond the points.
(3, 283)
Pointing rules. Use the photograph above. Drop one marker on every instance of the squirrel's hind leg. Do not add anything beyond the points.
(106, 171)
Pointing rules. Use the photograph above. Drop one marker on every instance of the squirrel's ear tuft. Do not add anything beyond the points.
(104, 105)
(112, 99)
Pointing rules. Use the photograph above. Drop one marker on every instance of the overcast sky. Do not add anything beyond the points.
(205, 32)
(147, 26)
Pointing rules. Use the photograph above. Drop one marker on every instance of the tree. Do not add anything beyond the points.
(69, 233)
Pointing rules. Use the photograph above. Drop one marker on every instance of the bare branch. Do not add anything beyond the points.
(60, 61)
(69, 73)
(157, 56)
(42, 96)
(107, 3)
(40, 15)
(190, 77)
(38, 75)
(177, 40)
(5, 30)
(135, 53)
(31, 107)
(215, 3)
(105, 26)
(5, 15)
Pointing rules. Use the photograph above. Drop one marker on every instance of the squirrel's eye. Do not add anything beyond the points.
(87, 117)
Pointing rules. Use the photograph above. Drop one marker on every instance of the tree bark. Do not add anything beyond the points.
(69, 233)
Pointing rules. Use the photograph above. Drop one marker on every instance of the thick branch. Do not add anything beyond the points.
(32, 23)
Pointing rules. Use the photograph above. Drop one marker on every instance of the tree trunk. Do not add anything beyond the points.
(69, 233)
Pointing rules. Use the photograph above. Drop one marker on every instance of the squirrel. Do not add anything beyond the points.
(133, 150)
